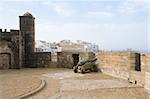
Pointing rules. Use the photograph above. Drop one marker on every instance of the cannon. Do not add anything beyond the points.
(86, 66)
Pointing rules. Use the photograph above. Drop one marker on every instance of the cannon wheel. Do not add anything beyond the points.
(82, 72)
(75, 70)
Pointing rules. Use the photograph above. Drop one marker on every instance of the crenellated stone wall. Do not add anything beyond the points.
(9, 49)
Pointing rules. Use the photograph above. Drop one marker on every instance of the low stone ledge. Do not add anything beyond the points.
(13, 86)
(31, 92)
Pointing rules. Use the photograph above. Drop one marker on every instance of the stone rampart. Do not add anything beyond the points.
(116, 63)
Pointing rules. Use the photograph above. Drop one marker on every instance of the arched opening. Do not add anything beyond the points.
(5, 59)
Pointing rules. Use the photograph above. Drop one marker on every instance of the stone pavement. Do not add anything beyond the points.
(64, 84)
(73, 85)
(13, 86)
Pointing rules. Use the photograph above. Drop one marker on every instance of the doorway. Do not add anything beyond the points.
(75, 59)
(5, 59)
(138, 62)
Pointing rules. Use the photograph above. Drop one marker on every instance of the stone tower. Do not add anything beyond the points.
(28, 37)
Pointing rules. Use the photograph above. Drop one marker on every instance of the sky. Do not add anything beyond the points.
(112, 24)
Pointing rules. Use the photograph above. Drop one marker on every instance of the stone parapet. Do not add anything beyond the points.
(147, 82)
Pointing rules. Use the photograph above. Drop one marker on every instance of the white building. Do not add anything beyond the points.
(43, 46)
(65, 46)
(88, 47)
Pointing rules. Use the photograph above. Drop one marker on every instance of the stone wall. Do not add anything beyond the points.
(15, 47)
(54, 61)
(116, 63)
(147, 81)
(139, 76)
(40, 59)
(145, 68)
(9, 44)
(64, 59)
(123, 65)
(5, 59)
(145, 62)
(61, 60)
(6, 55)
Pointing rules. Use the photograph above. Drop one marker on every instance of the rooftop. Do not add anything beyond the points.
(28, 14)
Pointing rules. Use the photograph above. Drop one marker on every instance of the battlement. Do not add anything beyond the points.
(9, 32)
(6, 35)
(4, 31)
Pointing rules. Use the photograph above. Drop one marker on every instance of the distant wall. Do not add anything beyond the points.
(40, 59)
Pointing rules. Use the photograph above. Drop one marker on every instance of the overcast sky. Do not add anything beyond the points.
(112, 24)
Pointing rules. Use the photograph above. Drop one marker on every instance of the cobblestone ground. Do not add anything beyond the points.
(64, 84)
